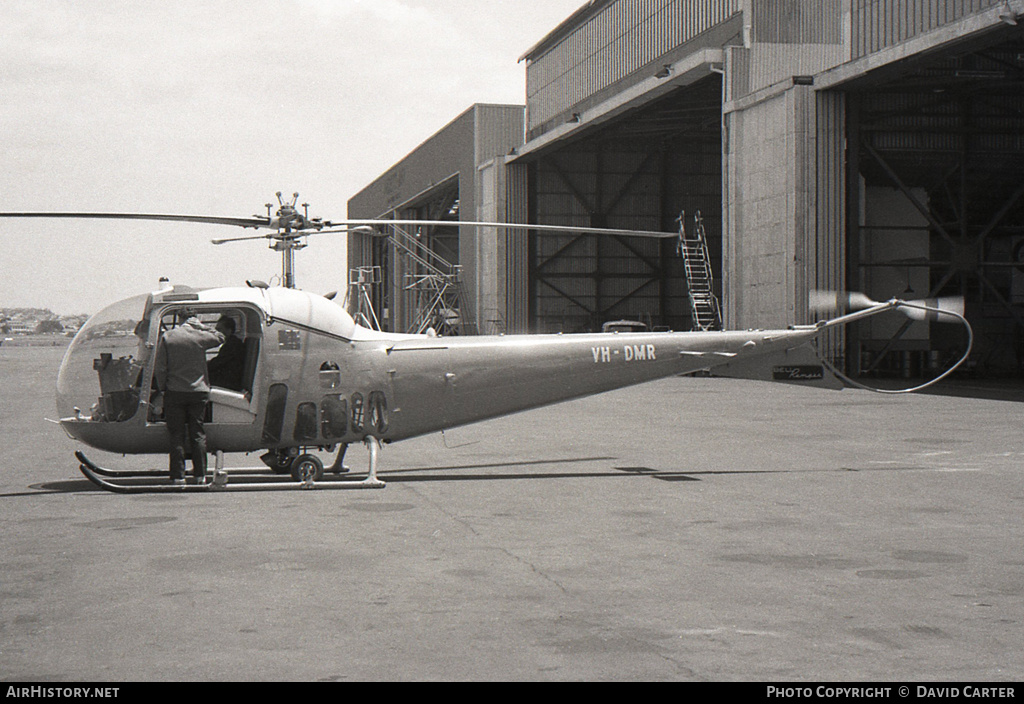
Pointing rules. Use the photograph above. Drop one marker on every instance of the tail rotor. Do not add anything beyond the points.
(947, 309)
(854, 306)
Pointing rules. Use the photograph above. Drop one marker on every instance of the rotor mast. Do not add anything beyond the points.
(290, 230)
(288, 241)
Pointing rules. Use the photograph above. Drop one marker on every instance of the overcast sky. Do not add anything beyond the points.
(209, 108)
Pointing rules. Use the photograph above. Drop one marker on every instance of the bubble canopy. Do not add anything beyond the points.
(99, 377)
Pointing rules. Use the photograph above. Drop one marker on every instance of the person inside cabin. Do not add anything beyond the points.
(181, 377)
(226, 368)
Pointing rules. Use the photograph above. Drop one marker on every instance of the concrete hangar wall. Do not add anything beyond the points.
(870, 145)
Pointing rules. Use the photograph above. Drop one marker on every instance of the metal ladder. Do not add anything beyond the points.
(704, 308)
(434, 288)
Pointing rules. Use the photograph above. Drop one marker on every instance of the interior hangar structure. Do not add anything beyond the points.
(864, 145)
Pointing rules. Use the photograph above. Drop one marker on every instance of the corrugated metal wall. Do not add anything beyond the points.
(797, 21)
(517, 251)
(878, 24)
(616, 42)
(499, 128)
(827, 260)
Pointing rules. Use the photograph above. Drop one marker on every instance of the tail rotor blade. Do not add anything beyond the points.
(824, 301)
(948, 309)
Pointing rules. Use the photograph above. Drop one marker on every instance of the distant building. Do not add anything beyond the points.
(21, 327)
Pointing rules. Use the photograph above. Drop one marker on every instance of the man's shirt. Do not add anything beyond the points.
(181, 357)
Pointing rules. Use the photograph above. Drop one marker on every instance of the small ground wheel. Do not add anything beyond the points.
(307, 468)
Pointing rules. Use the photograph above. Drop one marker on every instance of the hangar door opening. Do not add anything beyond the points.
(415, 278)
(938, 174)
(641, 171)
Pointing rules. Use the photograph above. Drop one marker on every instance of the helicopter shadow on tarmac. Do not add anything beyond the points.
(397, 476)
(450, 473)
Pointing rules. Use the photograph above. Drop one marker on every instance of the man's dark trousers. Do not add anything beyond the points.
(184, 412)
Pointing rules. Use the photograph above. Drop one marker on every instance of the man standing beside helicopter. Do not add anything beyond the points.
(181, 376)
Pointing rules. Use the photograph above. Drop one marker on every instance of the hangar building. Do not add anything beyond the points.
(866, 145)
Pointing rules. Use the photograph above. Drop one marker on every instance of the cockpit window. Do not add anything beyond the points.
(108, 367)
(102, 371)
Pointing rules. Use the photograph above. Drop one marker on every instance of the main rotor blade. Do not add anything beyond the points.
(361, 230)
(256, 222)
(242, 239)
(296, 234)
(515, 226)
(206, 219)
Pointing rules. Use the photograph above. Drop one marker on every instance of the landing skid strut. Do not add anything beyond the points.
(95, 474)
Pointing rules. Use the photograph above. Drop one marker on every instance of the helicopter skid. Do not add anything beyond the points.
(104, 472)
(220, 483)
(142, 473)
(96, 474)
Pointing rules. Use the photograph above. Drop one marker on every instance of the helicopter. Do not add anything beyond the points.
(313, 379)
